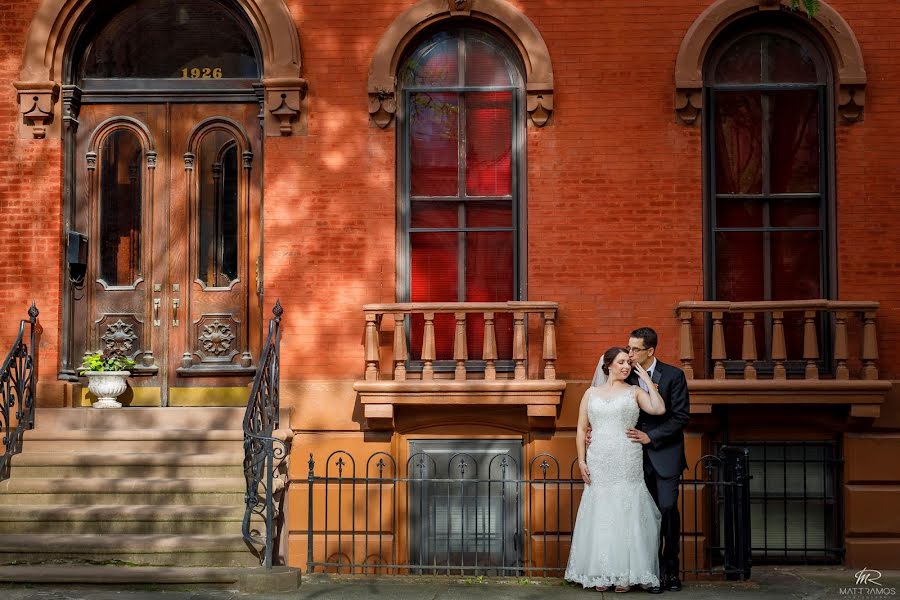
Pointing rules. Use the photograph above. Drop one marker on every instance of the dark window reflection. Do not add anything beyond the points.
(218, 209)
(120, 208)
(169, 39)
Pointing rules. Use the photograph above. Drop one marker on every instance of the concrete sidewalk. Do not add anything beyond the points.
(807, 583)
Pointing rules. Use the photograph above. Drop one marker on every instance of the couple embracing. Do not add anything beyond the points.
(630, 443)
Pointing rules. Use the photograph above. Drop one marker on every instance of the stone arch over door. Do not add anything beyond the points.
(382, 85)
(837, 36)
(56, 25)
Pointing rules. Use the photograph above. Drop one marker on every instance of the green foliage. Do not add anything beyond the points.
(106, 361)
(810, 6)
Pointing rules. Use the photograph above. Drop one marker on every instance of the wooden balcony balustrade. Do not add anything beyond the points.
(851, 378)
(392, 382)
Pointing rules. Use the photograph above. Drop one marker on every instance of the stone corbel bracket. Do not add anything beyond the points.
(382, 87)
(285, 108)
(37, 107)
(382, 106)
(832, 29)
(539, 103)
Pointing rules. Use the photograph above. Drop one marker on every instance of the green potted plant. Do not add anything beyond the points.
(106, 373)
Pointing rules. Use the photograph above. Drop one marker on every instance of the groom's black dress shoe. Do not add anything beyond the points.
(672, 583)
(655, 589)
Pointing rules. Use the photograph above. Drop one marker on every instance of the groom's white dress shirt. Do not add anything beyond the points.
(642, 383)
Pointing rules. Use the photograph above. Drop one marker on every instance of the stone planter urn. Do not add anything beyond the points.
(107, 386)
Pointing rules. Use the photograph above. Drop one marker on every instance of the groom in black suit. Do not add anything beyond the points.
(663, 440)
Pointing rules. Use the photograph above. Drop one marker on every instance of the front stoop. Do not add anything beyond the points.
(133, 495)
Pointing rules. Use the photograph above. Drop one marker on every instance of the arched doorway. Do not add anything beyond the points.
(166, 173)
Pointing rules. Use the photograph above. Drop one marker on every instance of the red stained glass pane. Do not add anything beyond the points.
(738, 124)
(433, 144)
(739, 277)
(435, 65)
(489, 278)
(489, 144)
(489, 213)
(795, 213)
(738, 213)
(741, 62)
(795, 141)
(434, 275)
(796, 275)
(789, 62)
(485, 66)
(739, 266)
(796, 265)
(434, 215)
(121, 159)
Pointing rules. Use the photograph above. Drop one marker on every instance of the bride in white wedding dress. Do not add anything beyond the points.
(615, 542)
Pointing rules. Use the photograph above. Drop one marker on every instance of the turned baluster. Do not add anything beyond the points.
(869, 346)
(779, 347)
(718, 345)
(400, 352)
(550, 345)
(428, 347)
(686, 342)
(748, 347)
(372, 321)
(840, 346)
(810, 344)
(489, 352)
(519, 349)
(460, 347)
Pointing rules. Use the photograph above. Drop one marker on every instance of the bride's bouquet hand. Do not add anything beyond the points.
(585, 473)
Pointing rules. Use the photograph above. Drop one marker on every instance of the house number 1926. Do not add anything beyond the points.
(202, 73)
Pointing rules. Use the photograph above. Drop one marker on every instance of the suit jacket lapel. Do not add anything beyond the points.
(657, 374)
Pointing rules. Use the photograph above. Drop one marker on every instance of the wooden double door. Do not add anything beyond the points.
(168, 196)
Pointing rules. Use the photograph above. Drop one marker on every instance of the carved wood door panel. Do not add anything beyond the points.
(169, 196)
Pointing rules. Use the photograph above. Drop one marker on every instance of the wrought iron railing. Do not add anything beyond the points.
(715, 515)
(265, 452)
(18, 386)
(494, 518)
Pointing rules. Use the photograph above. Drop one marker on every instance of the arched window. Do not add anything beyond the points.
(461, 140)
(768, 138)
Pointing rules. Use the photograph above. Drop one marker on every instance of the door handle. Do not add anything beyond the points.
(175, 303)
(156, 304)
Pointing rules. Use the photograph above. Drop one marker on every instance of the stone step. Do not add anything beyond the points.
(129, 491)
(135, 519)
(31, 463)
(154, 550)
(193, 441)
(175, 417)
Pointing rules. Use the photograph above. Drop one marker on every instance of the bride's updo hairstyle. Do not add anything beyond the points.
(609, 356)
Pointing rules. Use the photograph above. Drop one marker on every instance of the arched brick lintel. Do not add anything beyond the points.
(846, 55)
(55, 24)
(382, 86)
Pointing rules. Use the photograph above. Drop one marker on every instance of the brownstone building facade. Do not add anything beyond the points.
(460, 205)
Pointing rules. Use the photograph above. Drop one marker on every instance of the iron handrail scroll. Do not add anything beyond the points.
(18, 387)
(265, 452)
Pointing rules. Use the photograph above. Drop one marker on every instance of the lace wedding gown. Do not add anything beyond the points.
(616, 536)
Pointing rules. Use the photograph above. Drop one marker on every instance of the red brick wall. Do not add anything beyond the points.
(614, 185)
(30, 213)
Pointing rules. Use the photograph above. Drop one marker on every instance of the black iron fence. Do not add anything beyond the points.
(265, 452)
(462, 516)
(18, 386)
